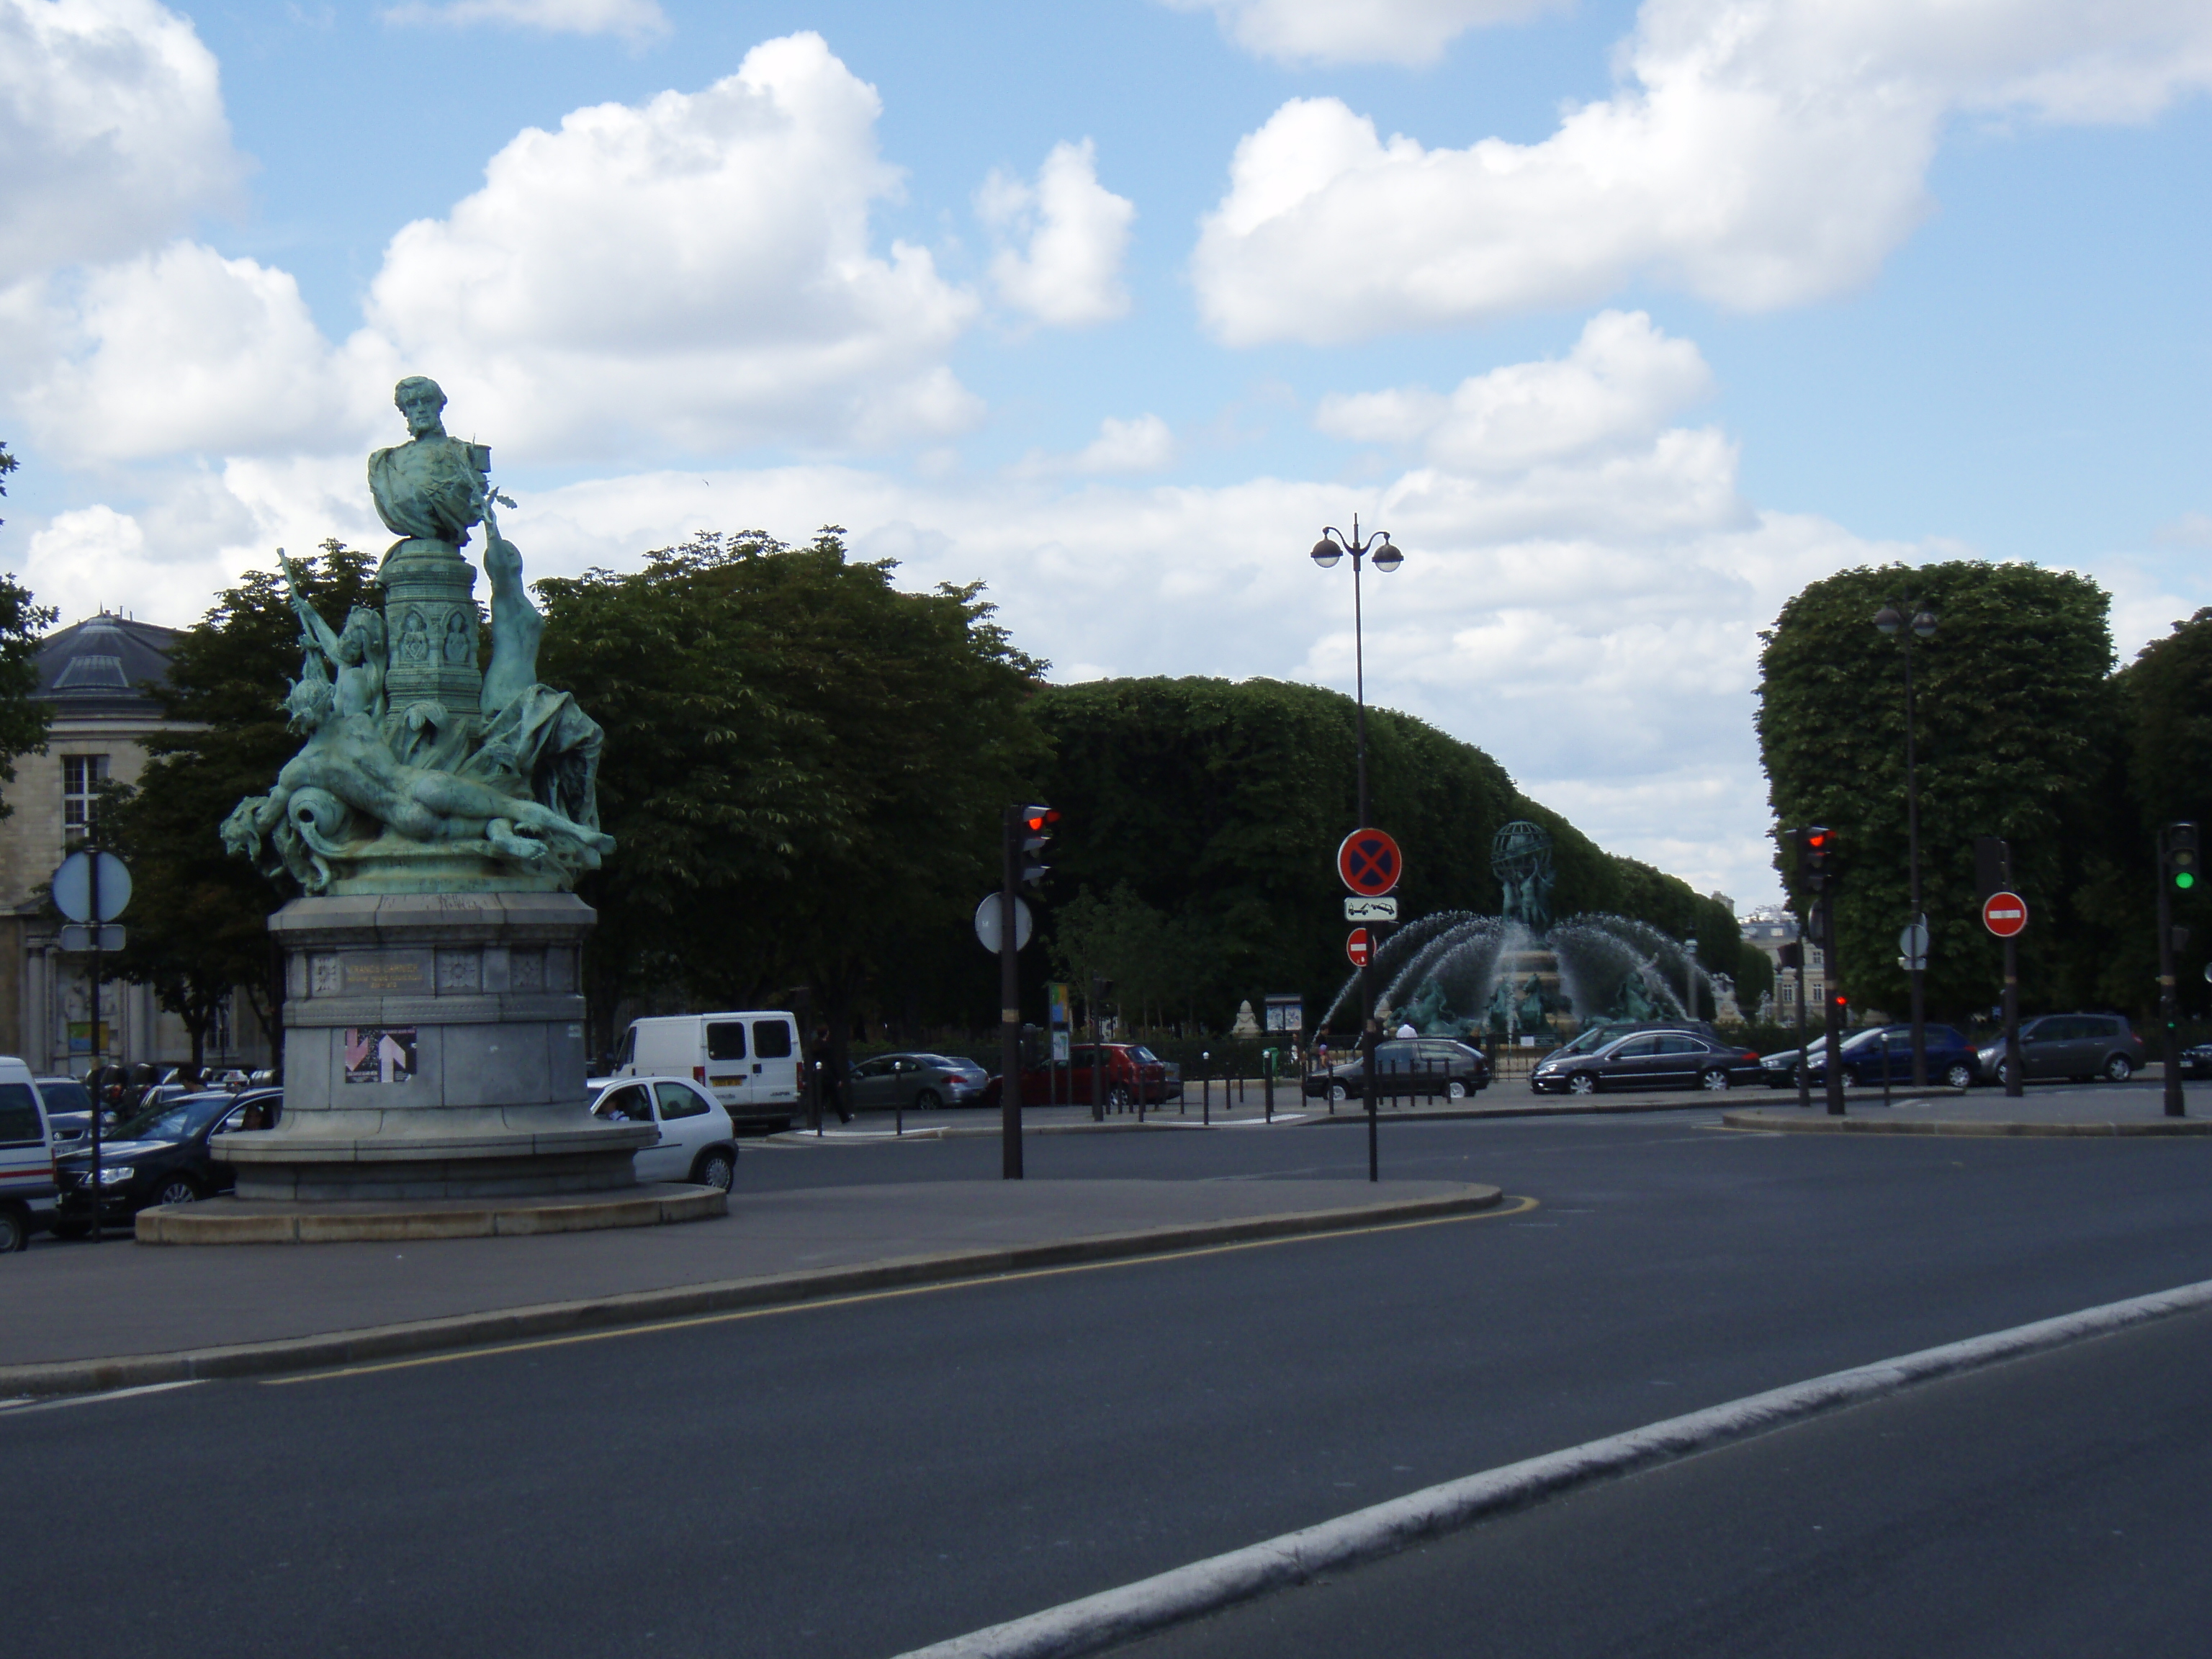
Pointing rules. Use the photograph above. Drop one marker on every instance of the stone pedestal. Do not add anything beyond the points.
(434, 1048)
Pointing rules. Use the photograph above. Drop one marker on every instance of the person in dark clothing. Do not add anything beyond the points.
(829, 1087)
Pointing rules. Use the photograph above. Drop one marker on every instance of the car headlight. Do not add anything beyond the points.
(116, 1174)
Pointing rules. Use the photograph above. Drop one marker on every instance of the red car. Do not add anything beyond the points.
(1127, 1073)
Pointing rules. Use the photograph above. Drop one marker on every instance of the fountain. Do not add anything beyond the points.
(1519, 974)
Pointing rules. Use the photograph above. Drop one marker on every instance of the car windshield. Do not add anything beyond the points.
(64, 1097)
(1144, 1056)
(177, 1119)
(1870, 1038)
(1589, 1040)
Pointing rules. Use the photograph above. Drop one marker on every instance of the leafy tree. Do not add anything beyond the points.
(198, 921)
(1217, 809)
(803, 770)
(2016, 728)
(23, 719)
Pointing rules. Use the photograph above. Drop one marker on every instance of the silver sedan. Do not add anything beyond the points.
(915, 1082)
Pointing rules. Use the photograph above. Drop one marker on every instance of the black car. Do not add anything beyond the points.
(2197, 1062)
(170, 1155)
(69, 1108)
(1667, 1058)
(1440, 1066)
(1870, 1053)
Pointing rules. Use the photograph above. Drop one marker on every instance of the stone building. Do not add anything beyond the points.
(94, 675)
(1769, 928)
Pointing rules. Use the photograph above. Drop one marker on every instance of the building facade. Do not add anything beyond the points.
(1769, 928)
(95, 676)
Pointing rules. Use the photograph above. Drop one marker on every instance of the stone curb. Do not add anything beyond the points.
(64, 1377)
(962, 1131)
(1821, 1124)
(1116, 1616)
(211, 1224)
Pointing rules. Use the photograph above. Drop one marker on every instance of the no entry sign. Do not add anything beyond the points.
(1369, 862)
(1359, 947)
(2004, 914)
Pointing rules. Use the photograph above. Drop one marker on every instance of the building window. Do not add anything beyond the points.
(81, 776)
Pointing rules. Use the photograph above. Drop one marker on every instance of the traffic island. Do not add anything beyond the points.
(256, 1221)
(2066, 1115)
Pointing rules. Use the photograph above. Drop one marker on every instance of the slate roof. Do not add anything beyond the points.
(99, 666)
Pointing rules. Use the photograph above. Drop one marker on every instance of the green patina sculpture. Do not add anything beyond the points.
(420, 772)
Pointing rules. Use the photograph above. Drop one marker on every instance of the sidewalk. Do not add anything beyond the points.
(246, 1308)
(2067, 1109)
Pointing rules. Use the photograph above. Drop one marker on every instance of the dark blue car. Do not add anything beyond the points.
(1867, 1053)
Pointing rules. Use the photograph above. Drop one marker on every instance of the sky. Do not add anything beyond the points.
(1626, 321)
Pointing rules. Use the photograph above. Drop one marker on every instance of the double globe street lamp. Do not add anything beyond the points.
(1891, 619)
(1334, 545)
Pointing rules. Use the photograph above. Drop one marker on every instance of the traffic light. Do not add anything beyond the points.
(1036, 832)
(2181, 863)
(1820, 843)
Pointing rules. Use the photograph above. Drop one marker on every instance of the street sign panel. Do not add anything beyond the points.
(78, 936)
(1368, 861)
(73, 887)
(1286, 1012)
(1359, 947)
(1913, 942)
(2004, 914)
(1381, 909)
(987, 923)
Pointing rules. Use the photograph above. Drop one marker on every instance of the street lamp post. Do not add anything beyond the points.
(1891, 620)
(1334, 545)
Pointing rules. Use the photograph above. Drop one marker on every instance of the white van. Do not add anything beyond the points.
(748, 1060)
(27, 1157)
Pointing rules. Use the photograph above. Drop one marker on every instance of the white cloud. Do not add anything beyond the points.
(1759, 154)
(633, 19)
(1078, 231)
(2189, 529)
(1375, 32)
(1618, 388)
(112, 130)
(695, 269)
(1144, 444)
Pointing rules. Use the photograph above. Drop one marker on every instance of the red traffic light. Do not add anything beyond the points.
(1038, 817)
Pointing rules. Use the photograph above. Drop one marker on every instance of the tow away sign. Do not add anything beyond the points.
(1370, 910)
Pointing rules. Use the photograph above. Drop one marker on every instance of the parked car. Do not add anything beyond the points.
(2082, 1047)
(26, 1158)
(69, 1108)
(915, 1082)
(1670, 1058)
(1443, 1068)
(1127, 1073)
(170, 1155)
(1870, 1052)
(698, 1134)
(748, 1060)
(2197, 1062)
(1596, 1037)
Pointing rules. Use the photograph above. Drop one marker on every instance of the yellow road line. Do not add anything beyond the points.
(1511, 1207)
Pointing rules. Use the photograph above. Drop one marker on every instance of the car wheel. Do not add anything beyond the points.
(1120, 1098)
(14, 1228)
(2118, 1069)
(177, 1189)
(928, 1100)
(1714, 1081)
(715, 1168)
(1959, 1075)
(1338, 1094)
(1582, 1083)
(1454, 1090)
(2004, 1074)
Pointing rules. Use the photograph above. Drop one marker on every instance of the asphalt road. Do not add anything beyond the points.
(862, 1478)
(2054, 1506)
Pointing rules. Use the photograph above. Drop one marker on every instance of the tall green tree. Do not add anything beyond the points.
(24, 720)
(803, 770)
(1217, 808)
(2017, 731)
(199, 922)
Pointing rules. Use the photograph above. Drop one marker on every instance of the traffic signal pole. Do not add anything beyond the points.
(1833, 1076)
(2177, 867)
(1010, 1004)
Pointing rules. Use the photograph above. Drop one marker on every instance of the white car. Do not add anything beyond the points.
(698, 1142)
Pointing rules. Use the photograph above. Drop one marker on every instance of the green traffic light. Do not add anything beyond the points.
(2184, 879)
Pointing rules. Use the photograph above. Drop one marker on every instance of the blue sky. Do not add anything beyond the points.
(1628, 320)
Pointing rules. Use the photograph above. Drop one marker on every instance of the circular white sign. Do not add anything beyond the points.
(987, 923)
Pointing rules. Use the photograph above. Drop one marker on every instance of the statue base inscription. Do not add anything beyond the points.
(434, 1048)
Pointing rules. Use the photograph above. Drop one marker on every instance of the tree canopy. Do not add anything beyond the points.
(24, 720)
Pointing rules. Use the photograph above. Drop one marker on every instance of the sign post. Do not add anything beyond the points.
(92, 886)
(1370, 864)
(2004, 912)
